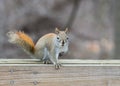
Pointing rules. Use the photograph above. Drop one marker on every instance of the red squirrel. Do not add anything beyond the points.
(47, 48)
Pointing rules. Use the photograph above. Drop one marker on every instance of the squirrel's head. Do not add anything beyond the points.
(62, 37)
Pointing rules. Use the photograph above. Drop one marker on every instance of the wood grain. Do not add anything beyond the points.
(16, 72)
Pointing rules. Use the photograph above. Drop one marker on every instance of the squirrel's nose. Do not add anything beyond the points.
(63, 43)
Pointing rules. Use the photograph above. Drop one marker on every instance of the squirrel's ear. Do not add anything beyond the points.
(66, 30)
(57, 30)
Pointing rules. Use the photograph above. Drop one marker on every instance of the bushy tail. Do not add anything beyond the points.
(23, 40)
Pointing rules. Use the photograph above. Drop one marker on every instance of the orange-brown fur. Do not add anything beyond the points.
(26, 38)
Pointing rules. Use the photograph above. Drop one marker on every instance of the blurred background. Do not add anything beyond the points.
(93, 25)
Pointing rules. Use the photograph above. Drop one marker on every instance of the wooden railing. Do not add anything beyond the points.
(74, 72)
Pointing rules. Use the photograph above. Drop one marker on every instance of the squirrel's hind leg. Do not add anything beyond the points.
(46, 59)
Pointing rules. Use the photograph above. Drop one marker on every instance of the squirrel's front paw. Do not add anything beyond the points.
(57, 66)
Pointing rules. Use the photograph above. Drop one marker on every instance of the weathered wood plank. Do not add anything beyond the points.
(65, 62)
(66, 76)
(34, 74)
(71, 61)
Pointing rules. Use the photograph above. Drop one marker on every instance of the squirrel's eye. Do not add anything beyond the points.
(58, 38)
(67, 38)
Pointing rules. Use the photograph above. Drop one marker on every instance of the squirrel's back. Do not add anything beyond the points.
(45, 41)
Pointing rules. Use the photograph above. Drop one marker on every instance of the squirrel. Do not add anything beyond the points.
(47, 48)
